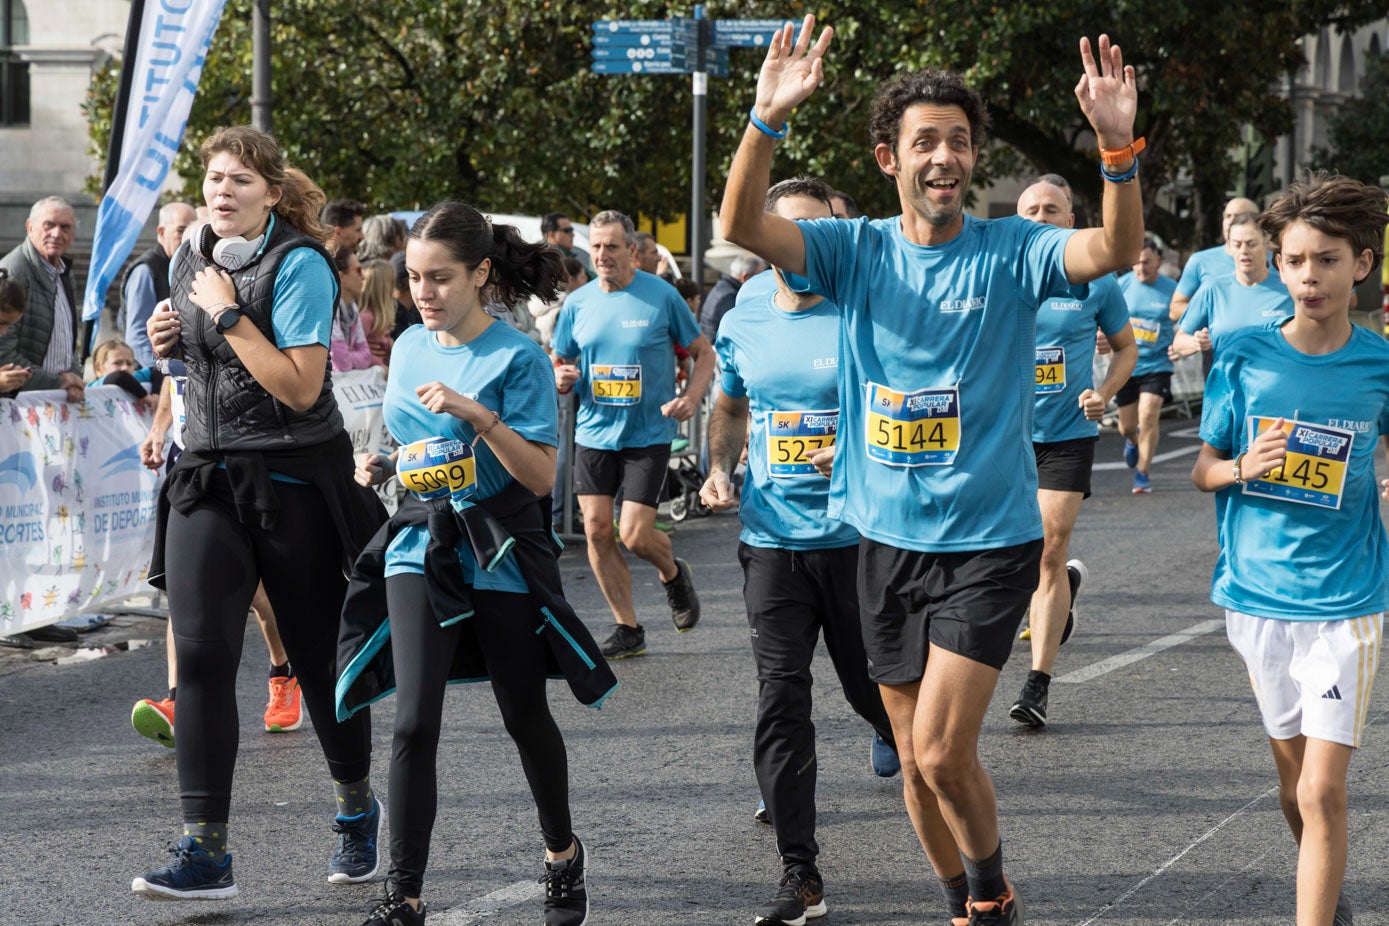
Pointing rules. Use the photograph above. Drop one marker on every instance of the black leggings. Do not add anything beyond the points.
(516, 660)
(213, 562)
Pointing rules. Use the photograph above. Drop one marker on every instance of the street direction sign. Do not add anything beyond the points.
(608, 39)
(748, 33)
(631, 25)
(632, 53)
(636, 67)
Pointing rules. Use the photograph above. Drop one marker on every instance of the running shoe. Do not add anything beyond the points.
(799, 897)
(1342, 916)
(192, 875)
(154, 719)
(355, 858)
(1026, 632)
(284, 711)
(625, 641)
(1031, 706)
(394, 910)
(683, 600)
(1141, 485)
(1004, 910)
(883, 757)
(1076, 574)
(566, 891)
(1131, 454)
(760, 814)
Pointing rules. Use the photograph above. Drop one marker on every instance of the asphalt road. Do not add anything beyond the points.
(1149, 799)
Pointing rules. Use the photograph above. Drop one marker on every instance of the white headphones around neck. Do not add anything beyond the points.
(231, 253)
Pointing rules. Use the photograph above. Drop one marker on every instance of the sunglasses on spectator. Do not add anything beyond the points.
(565, 229)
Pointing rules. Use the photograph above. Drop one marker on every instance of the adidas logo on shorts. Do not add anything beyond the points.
(1333, 693)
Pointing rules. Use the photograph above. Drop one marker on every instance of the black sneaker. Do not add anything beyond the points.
(566, 893)
(1031, 706)
(1342, 916)
(394, 910)
(625, 641)
(684, 601)
(799, 897)
(1076, 573)
(355, 858)
(192, 875)
(1004, 910)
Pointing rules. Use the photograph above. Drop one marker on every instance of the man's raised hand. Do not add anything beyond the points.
(791, 72)
(1108, 93)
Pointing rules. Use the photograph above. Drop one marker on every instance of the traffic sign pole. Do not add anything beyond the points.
(700, 83)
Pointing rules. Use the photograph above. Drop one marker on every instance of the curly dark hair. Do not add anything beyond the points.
(1341, 207)
(931, 86)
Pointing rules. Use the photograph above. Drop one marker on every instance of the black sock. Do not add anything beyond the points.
(173, 693)
(985, 876)
(283, 671)
(1039, 676)
(956, 891)
(210, 837)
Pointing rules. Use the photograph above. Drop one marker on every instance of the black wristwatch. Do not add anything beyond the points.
(227, 319)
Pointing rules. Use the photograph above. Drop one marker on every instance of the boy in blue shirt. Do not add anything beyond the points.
(1148, 294)
(933, 463)
(799, 566)
(1303, 572)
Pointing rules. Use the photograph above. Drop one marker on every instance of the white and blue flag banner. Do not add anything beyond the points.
(174, 36)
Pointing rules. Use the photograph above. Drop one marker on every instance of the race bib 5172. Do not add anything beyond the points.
(438, 467)
(920, 428)
(616, 385)
(1313, 472)
(1051, 370)
(792, 436)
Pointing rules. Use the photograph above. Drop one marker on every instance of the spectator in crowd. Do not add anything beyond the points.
(689, 291)
(44, 338)
(146, 283)
(543, 314)
(405, 312)
(348, 345)
(845, 206)
(382, 236)
(13, 300)
(724, 293)
(559, 233)
(648, 255)
(114, 364)
(376, 308)
(344, 220)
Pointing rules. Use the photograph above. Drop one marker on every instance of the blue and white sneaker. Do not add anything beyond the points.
(1141, 485)
(884, 757)
(193, 875)
(355, 858)
(760, 814)
(1131, 454)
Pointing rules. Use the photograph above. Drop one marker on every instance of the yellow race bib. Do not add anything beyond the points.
(1145, 331)
(616, 385)
(1051, 370)
(438, 467)
(920, 428)
(792, 436)
(1313, 472)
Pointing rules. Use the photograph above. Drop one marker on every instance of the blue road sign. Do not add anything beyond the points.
(632, 25)
(636, 67)
(623, 39)
(632, 53)
(748, 33)
(715, 59)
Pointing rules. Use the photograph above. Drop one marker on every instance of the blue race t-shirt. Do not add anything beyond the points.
(1201, 266)
(305, 293)
(937, 353)
(1225, 305)
(1306, 542)
(1149, 314)
(626, 366)
(506, 372)
(755, 287)
(793, 403)
(1066, 357)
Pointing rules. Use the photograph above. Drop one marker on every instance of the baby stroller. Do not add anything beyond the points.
(684, 480)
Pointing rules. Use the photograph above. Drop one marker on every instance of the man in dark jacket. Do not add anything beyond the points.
(724, 293)
(147, 280)
(45, 337)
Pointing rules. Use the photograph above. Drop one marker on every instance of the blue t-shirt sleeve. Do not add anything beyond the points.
(529, 406)
(1190, 281)
(684, 328)
(562, 341)
(305, 293)
(1218, 424)
(1198, 311)
(729, 380)
(1114, 311)
(1042, 259)
(829, 256)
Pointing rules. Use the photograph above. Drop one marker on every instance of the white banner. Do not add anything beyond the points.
(359, 394)
(173, 42)
(76, 506)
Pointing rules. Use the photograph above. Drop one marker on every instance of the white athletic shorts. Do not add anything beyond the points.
(1310, 677)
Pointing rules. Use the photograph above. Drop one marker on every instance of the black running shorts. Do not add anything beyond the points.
(637, 474)
(1064, 465)
(970, 603)
(1153, 383)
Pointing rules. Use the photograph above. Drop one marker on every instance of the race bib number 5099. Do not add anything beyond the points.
(920, 428)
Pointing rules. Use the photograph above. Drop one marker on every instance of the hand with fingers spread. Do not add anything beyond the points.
(1266, 453)
(791, 72)
(1108, 93)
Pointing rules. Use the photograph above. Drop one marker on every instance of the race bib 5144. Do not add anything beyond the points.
(792, 436)
(920, 428)
(1051, 370)
(1313, 472)
(438, 467)
(616, 385)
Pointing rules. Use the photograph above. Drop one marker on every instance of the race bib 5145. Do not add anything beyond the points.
(1313, 472)
(438, 467)
(920, 428)
(792, 436)
(616, 385)
(1051, 370)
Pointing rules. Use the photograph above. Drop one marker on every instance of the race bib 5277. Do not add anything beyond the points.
(792, 436)
(920, 428)
(1313, 472)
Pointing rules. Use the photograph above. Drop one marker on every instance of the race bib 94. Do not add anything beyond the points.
(1051, 370)
(791, 436)
(438, 467)
(920, 428)
(1314, 471)
(616, 385)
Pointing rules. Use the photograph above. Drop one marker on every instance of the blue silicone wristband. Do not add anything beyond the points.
(764, 128)
(1126, 177)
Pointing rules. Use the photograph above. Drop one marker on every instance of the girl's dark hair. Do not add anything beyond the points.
(13, 296)
(520, 269)
(1341, 207)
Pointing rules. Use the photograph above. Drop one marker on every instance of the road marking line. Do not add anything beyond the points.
(1141, 652)
(474, 911)
(1200, 903)
(1160, 458)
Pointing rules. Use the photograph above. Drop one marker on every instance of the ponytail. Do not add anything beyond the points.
(300, 204)
(520, 269)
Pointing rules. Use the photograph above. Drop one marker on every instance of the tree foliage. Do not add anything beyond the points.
(1359, 131)
(401, 103)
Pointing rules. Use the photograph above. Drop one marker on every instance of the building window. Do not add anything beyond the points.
(14, 72)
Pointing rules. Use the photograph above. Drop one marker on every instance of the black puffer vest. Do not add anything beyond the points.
(158, 262)
(227, 410)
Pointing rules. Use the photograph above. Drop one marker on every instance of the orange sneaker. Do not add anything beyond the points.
(1006, 910)
(154, 719)
(285, 711)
